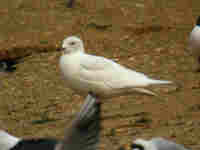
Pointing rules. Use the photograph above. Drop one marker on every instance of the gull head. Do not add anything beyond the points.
(72, 44)
(141, 144)
(198, 21)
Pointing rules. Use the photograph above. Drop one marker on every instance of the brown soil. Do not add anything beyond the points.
(148, 36)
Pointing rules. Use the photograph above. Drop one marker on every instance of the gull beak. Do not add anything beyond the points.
(62, 49)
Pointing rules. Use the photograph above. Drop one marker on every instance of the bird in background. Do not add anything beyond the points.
(157, 143)
(105, 78)
(9, 65)
(194, 40)
(82, 134)
(70, 3)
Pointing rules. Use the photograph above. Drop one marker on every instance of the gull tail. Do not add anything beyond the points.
(145, 91)
(152, 81)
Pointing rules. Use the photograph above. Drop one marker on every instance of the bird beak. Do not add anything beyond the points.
(61, 49)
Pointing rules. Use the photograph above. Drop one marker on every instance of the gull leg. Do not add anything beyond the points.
(95, 96)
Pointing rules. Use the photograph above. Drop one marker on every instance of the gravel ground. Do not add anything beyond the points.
(150, 37)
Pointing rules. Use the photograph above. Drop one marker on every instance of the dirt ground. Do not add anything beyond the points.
(148, 36)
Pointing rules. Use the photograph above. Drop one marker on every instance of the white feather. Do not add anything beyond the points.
(7, 141)
(104, 77)
(158, 143)
(194, 40)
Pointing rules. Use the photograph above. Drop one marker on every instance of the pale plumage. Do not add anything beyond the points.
(194, 39)
(7, 141)
(104, 77)
(156, 144)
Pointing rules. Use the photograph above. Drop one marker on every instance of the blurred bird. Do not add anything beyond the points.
(104, 77)
(82, 134)
(70, 3)
(194, 40)
(8, 65)
(155, 144)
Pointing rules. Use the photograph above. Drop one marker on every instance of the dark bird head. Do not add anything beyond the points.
(136, 147)
(198, 21)
(9, 65)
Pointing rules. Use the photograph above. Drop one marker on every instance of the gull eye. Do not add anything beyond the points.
(72, 43)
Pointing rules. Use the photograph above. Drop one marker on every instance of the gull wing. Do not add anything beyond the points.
(83, 134)
(100, 70)
(98, 63)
